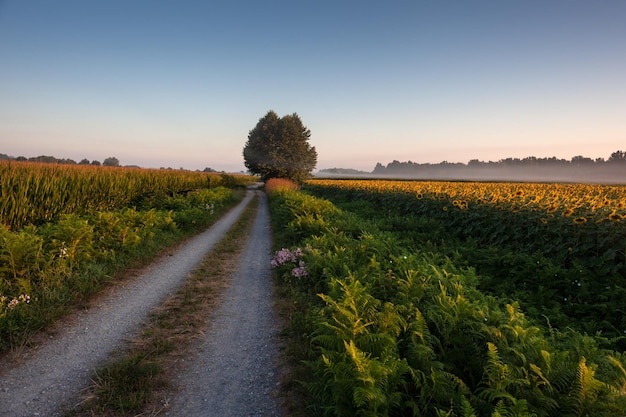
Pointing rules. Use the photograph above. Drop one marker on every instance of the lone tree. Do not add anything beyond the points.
(278, 147)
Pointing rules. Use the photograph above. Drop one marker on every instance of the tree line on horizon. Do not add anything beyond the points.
(110, 161)
(616, 163)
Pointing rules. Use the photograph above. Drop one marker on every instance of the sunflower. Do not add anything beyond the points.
(614, 216)
(580, 220)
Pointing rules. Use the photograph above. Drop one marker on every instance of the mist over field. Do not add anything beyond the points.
(578, 170)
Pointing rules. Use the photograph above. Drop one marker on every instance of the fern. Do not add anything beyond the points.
(466, 408)
(352, 309)
(497, 379)
(619, 385)
(586, 388)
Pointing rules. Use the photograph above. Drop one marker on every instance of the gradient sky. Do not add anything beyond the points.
(181, 83)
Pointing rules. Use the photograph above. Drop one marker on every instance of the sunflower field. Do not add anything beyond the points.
(455, 298)
(560, 248)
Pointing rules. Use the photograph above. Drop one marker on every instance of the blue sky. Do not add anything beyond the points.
(181, 83)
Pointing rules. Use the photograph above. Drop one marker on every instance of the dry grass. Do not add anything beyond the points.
(280, 184)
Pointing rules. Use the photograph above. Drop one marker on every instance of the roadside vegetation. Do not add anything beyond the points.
(557, 248)
(67, 231)
(137, 380)
(406, 301)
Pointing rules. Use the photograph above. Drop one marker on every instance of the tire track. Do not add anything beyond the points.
(235, 373)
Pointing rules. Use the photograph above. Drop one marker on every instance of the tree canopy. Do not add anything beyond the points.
(278, 147)
(111, 162)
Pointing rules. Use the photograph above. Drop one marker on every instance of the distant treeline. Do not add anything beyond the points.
(110, 161)
(578, 169)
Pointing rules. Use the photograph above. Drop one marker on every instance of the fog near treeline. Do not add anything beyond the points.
(577, 170)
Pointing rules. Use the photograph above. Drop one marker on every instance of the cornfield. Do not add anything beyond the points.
(34, 193)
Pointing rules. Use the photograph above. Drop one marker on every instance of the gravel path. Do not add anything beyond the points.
(234, 374)
(46, 379)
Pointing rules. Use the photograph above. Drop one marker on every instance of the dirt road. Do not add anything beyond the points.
(44, 381)
(235, 374)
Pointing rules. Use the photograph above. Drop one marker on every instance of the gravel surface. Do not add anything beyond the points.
(235, 373)
(43, 381)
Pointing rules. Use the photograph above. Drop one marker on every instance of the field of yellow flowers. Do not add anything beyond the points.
(578, 202)
(559, 248)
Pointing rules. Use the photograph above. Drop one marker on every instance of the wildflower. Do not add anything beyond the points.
(300, 271)
(285, 255)
(23, 298)
(63, 253)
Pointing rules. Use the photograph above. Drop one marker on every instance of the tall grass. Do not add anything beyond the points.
(34, 193)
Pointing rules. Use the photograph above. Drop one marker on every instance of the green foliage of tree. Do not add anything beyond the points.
(111, 162)
(278, 147)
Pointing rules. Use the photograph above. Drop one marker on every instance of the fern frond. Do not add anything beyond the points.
(467, 409)
(495, 370)
(620, 382)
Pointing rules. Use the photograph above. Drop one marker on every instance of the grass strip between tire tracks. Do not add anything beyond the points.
(136, 381)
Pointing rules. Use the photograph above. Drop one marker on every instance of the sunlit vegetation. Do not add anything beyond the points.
(280, 184)
(557, 247)
(33, 193)
(66, 230)
(453, 299)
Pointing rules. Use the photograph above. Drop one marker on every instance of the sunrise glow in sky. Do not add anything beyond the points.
(180, 84)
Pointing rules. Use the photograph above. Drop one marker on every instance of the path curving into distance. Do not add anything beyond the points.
(235, 373)
(51, 377)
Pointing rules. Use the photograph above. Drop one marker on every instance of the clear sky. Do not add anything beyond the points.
(181, 83)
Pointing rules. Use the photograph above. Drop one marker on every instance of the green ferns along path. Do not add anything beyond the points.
(388, 328)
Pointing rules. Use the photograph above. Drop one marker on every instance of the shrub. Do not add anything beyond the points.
(280, 185)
